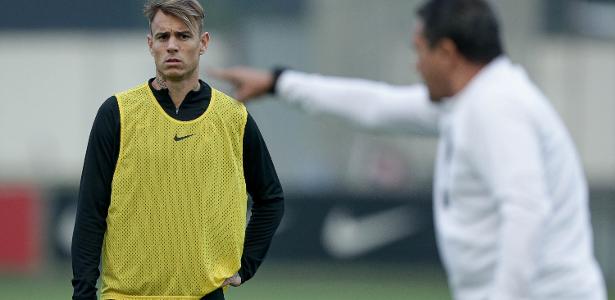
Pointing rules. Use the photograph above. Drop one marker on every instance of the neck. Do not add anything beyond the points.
(463, 75)
(177, 89)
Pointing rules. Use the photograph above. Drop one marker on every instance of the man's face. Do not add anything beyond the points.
(433, 66)
(175, 47)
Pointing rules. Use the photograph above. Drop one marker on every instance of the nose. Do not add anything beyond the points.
(172, 46)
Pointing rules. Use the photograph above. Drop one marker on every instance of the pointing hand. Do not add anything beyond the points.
(248, 82)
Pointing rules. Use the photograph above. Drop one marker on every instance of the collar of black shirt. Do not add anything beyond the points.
(192, 107)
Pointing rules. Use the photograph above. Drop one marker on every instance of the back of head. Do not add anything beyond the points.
(470, 24)
(189, 11)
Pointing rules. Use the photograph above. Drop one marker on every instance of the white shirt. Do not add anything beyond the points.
(510, 196)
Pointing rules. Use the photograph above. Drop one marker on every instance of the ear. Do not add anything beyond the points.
(448, 50)
(150, 44)
(204, 41)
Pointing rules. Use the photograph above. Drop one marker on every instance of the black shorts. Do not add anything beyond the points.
(215, 295)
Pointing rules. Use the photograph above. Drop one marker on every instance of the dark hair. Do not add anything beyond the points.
(470, 24)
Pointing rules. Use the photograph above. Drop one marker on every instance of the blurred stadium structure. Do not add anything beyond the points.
(61, 59)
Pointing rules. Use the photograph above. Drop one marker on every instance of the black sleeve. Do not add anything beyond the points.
(264, 187)
(94, 198)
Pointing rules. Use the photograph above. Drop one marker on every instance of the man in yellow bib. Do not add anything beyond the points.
(167, 172)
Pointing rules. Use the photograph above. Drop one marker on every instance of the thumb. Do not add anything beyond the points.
(243, 94)
(226, 282)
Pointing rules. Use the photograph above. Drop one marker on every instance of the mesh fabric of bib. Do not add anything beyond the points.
(176, 222)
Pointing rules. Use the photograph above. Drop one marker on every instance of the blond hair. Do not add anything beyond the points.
(189, 11)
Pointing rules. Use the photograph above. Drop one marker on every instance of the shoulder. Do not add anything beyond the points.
(107, 119)
(141, 88)
(228, 103)
(109, 107)
(495, 106)
(223, 97)
(509, 91)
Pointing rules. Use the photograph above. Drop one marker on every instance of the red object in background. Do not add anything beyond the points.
(20, 220)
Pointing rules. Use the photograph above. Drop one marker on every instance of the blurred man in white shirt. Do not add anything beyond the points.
(510, 196)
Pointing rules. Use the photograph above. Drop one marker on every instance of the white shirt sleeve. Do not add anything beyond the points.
(507, 154)
(369, 104)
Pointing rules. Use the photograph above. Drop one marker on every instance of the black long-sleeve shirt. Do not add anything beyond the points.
(95, 190)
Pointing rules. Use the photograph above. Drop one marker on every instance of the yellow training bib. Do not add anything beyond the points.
(176, 222)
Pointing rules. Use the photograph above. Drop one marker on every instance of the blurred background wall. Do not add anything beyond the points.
(59, 60)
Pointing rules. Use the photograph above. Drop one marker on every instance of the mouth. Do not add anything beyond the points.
(173, 61)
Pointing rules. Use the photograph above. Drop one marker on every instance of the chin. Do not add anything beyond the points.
(173, 75)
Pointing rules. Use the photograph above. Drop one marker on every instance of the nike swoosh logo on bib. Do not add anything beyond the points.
(177, 139)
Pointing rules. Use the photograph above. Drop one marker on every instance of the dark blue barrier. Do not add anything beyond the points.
(336, 226)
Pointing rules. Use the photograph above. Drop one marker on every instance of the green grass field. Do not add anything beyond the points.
(278, 281)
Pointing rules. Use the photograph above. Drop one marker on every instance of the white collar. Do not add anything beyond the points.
(485, 74)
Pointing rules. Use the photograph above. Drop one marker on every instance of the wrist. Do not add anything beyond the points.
(276, 72)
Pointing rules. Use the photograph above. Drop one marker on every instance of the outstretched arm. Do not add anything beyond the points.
(371, 105)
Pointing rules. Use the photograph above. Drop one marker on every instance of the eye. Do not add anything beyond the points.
(184, 36)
